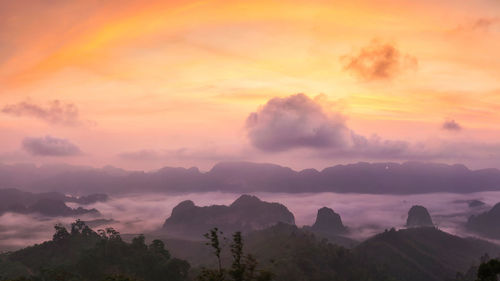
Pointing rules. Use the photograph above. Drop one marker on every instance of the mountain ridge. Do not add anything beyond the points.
(248, 177)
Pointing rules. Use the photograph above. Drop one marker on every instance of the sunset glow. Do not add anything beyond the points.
(146, 84)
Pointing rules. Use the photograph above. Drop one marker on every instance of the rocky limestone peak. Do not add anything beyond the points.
(328, 221)
(418, 216)
(245, 200)
(183, 206)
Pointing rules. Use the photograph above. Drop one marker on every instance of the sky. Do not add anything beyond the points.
(146, 84)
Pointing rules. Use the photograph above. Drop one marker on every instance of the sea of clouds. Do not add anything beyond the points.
(364, 214)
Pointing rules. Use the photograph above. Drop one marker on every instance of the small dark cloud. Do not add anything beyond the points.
(484, 23)
(50, 146)
(55, 112)
(378, 61)
(451, 125)
(480, 24)
(294, 122)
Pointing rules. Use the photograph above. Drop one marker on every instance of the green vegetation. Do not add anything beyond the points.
(82, 254)
(243, 267)
(489, 271)
(290, 253)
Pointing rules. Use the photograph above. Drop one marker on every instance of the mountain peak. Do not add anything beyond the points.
(418, 216)
(328, 221)
(246, 199)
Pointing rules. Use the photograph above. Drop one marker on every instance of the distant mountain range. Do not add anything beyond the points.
(246, 177)
(50, 204)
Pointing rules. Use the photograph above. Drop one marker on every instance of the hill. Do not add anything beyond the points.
(84, 255)
(486, 223)
(424, 253)
(48, 204)
(245, 214)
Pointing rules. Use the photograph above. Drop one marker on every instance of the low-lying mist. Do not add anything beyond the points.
(364, 214)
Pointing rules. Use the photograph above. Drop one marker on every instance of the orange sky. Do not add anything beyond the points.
(178, 79)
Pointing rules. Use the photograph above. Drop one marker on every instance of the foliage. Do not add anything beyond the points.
(82, 254)
(489, 271)
(243, 267)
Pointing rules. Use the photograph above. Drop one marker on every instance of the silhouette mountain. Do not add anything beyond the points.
(246, 214)
(328, 221)
(418, 216)
(246, 177)
(426, 253)
(48, 204)
(487, 223)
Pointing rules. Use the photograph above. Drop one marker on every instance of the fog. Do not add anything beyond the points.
(364, 214)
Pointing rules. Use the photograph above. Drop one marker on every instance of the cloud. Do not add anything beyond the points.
(484, 23)
(294, 122)
(479, 24)
(50, 146)
(451, 125)
(297, 121)
(364, 214)
(209, 153)
(55, 112)
(141, 155)
(378, 61)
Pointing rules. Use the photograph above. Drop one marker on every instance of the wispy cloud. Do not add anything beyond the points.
(55, 112)
(50, 146)
(479, 24)
(378, 61)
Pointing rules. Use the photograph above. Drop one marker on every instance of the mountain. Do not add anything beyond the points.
(328, 225)
(329, 222)
(472, 203)
(486, 224)
(247, 213)
(424, 254)
(246, 177)
(16, 196)
(48, 204)
(418, 216)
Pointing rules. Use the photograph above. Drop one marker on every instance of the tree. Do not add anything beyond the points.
(213, 241)
(61, 233)
(84, 255)
(489, 271)
(243, 267)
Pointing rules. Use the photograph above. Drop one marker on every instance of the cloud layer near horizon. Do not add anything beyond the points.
(364, 214)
